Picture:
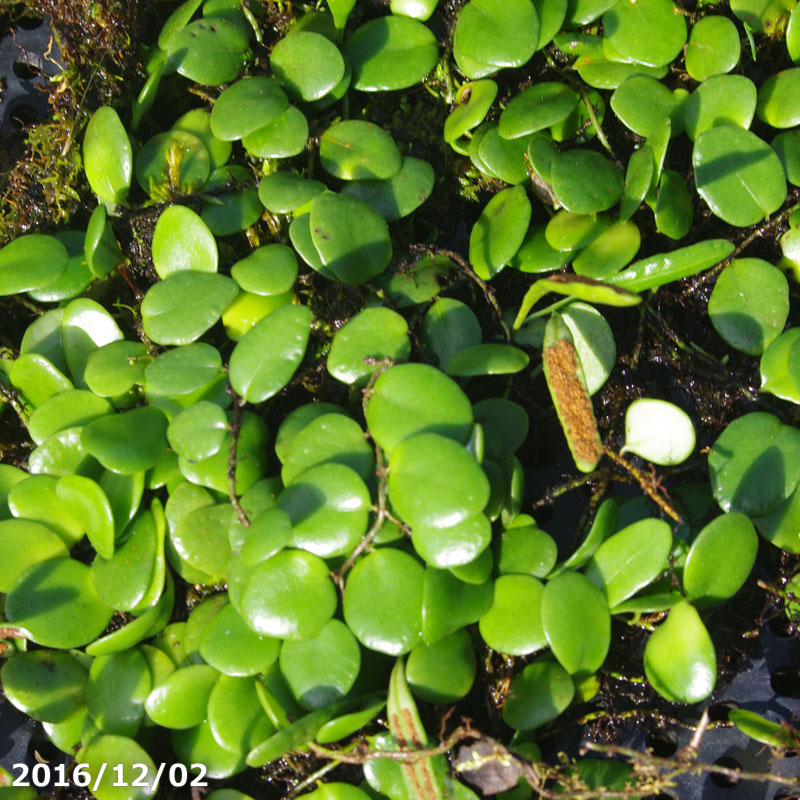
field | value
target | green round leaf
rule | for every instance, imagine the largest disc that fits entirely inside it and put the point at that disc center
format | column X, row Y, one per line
column 66, row 410
column 126, row 781
column 418, row 284
column 398, row 196
column 266, row 357
column 179, row 701
column 85, row 327
column 328, row 438
column 631, row 559
column 749, row 305
column 787, row 146
column 115, row 368
column 61, row 454
column 777, row 99
column 351, row 239
column 31, row 262
column 107, row 156
column 56, row 601
column 246, row 106
column 183, row 307
column 585, row 182
column 487, row 359
column 156, row 164
column 296, row 421
column 505, row 426
column 416, row 398
column 197, row 745
column 503, row 628
column 209, row 51
column 442, row 672
column 250, row 459
column 284, row 137
column 537, row 696
column 713, row 47
column 674, row 206
column 183, row 372
column 721, row 100
column 450, row 603
column 526, row 550
column 494, row 33
column 284, row 191
column 35, row 498
column 535, row 255
column 329, row 507
column 307, row 64
column 450, row 326
column 499, row 231
column 720, row 559
column 24, row 543
column 290, row 595
column 75, row 278
column 128, row 442
column 391, row 53
column 738, row 175
column 358, row 150
column 658, row 431
column 473, row 103
column 37, row 378
column 321, row 669
column 87, row 502
column 201, row 540
column 793, row 36
column 536, row 108
column 679, row 659
column 44, row 684
column 101, row 250
column 435, row 482
column 182, row 241
column 754, row 464
column 228, row 645
column 447, row 546
column 383, row 601
column 370, row 336
column 641, row 103
column 576, row 622
column 122, row 581
column 594, row 341
column 231, row 211
column 235, row 715
column 118, row 686
column 268, row 270
column 198, row 122
column 198, row 431
column 779, row 367
column 650, row 32
column 503, row 158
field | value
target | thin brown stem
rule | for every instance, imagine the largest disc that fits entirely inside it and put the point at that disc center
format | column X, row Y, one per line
column 11, row 396
column 551, row 494
column 462, row 263
column 647, row 483
column 674, row 768
column 382, row 474
column 236, row 427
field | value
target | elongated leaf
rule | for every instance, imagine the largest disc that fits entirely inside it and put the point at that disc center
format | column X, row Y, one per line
column 656, row 270
column 575, row 286
column 107, row 156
